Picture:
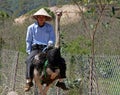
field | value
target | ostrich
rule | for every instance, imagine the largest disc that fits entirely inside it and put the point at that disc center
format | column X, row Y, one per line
column 53, row 57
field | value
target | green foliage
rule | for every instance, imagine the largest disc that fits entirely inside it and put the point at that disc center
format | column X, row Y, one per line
column 50, row 12
column 12, row 36
column 80, row 45
column 3, row 15
column 16, row 8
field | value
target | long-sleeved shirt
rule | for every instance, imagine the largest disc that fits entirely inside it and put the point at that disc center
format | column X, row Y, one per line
column 39, row 35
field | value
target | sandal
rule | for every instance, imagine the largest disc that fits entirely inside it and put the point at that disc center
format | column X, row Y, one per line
column 28, row 86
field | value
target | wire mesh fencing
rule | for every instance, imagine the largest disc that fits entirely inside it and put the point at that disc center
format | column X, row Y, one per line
column 106, row 68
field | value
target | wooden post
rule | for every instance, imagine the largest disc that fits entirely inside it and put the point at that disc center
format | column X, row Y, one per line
column 15, row 65
column 57, row 28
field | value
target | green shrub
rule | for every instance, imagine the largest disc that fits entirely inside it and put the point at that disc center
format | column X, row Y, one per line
column 80, row 45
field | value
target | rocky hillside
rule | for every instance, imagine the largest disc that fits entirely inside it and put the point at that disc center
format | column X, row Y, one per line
column 70, row 12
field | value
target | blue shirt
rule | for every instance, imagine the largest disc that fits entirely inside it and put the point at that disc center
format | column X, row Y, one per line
column 39, row 35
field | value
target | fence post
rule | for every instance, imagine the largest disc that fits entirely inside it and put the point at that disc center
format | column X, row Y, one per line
column 15, row 65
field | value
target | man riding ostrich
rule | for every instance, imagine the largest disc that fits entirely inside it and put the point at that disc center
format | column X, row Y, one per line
column 39, row 35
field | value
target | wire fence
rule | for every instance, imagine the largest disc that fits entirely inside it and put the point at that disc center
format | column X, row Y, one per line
column 107, row 70
column 107, row 59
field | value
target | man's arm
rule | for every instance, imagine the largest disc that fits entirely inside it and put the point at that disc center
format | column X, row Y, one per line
column 28, row 40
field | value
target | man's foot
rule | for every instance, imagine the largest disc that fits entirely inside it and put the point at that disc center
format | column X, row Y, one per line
column 62, row 85
column 28, row 86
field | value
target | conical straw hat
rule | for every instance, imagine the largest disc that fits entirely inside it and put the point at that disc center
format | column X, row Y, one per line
column 42, row 12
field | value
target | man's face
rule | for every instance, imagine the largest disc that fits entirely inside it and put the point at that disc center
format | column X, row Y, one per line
column 41, row 20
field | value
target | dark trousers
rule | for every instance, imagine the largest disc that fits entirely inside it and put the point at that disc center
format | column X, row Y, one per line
column 29, row 65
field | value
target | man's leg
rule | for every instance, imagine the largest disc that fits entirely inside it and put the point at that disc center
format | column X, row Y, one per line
column 29, row 70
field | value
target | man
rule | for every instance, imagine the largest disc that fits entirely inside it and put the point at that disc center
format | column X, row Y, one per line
column 39, row 34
